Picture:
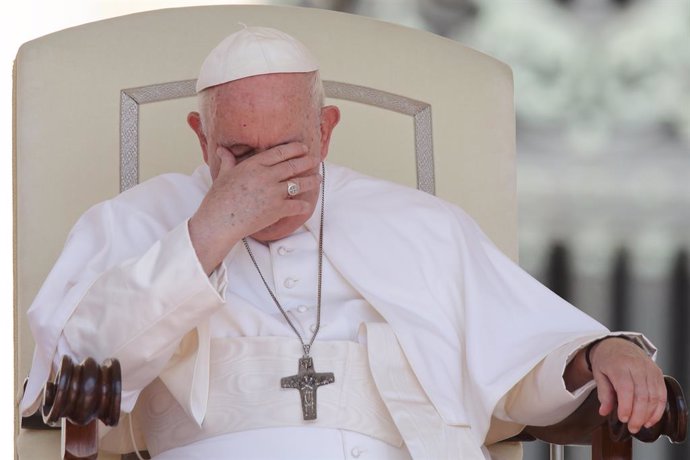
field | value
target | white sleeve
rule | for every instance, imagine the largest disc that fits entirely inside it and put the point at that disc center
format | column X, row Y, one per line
column 139, row 310
column 541, row 397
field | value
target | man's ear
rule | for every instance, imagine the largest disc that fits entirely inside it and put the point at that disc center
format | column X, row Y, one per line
column 194, row 122
column 330, row 116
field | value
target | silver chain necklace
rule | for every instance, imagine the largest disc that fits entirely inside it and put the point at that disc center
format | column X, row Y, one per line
column 307, row 380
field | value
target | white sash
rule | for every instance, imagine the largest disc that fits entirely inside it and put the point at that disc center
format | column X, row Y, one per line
column 375, row 393
column 245, row 393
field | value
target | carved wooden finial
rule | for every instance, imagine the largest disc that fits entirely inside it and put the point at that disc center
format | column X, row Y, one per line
column 84, row 392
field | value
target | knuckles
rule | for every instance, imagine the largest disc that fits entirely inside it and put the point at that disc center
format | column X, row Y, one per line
column 641, row 397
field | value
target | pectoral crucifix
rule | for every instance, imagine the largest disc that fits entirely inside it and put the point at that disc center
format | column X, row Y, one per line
column 307, row 381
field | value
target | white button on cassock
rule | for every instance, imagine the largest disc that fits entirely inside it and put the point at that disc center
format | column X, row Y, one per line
column 313, row 327
column 290, row 283
column 356, row 452
column 282, row 250
column 302, row 308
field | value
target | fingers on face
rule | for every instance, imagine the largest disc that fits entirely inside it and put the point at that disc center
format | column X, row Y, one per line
column 294, row 167
column 296, row 208
column 287, row 161
column 282, row 153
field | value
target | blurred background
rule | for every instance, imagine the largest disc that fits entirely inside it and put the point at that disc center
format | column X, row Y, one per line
column 602, row 93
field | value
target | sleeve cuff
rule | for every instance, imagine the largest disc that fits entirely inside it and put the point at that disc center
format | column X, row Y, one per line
column 167, row 294
column 640, row 340
column 541, row 397
column 218, row 277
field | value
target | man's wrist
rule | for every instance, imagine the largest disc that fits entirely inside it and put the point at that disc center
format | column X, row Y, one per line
column 210, row 247
column 590, row 347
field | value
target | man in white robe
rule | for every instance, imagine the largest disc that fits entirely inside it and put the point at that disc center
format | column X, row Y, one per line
column 433, row 335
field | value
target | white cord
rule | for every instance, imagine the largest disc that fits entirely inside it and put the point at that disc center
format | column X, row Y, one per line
column 131, row 437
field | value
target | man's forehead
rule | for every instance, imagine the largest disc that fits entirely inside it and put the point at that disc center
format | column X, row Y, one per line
column 277, row 102
column 270, row 87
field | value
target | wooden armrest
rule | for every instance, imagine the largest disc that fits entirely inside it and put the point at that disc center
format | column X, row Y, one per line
column 581, row 427
column 77, row 398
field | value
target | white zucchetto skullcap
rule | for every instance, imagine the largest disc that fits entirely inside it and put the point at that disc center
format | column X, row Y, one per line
column 254, row 51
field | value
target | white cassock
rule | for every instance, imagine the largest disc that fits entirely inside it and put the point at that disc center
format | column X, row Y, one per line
column 434, row 336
